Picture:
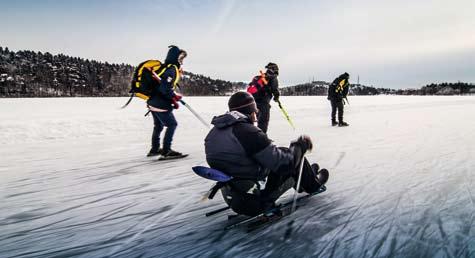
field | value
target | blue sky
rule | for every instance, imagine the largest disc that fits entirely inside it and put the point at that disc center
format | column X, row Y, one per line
column 395, row 44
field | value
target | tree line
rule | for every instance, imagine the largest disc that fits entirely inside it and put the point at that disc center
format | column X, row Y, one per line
column 320, row 88
column 36, row 74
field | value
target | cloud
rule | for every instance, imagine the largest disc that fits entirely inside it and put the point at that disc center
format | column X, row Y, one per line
column 234, row 39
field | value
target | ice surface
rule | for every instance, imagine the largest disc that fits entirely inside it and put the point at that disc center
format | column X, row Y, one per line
column 74, row 181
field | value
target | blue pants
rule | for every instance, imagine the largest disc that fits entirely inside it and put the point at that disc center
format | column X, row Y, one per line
column 161, row 119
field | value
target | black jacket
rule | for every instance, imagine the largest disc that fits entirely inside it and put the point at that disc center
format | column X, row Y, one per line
column 271, row 90
column 240, row 149
column 338, row 89
column 163, row 93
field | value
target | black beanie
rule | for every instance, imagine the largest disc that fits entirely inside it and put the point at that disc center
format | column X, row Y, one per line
column 242, row 102
column 272, row 69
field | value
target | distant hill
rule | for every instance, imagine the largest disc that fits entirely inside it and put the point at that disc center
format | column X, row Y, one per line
column 320, row 88
column 35, row 74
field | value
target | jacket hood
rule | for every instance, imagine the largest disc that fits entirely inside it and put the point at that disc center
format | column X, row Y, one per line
column 172, row 56
column 229, row 119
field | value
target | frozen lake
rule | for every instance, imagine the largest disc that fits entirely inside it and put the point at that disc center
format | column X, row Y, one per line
column 75, row 182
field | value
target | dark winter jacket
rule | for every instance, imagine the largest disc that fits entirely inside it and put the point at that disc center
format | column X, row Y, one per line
column 163, row 94
column 240, row 149
column 338, row 89
column 271, row 90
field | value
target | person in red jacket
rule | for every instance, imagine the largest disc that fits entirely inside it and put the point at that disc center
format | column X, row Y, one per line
column 267, row 89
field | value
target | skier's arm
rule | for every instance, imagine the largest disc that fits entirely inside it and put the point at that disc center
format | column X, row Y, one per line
column 258, row 146
column 166, row 85
column 299, row 147
column 346, row 87
column 274, row 87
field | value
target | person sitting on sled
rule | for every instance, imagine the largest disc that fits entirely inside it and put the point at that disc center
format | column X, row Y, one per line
column 240, row 149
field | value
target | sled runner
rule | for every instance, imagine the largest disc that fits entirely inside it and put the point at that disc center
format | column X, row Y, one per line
column 252, row 222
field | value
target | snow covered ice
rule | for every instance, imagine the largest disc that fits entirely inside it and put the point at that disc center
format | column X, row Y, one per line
column 75, row 181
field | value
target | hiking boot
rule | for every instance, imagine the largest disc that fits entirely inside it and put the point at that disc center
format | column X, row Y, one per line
column 322, row 176
column 315, row 168
column 340, row 124
column 171, row 153
column 334, row 123
column 152, row 153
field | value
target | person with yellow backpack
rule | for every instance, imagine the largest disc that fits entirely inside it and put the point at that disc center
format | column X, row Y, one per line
column 337, row 91
column 163, row 99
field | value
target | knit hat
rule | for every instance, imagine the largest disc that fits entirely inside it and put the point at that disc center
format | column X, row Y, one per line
column 242, row 102
column 272, row 69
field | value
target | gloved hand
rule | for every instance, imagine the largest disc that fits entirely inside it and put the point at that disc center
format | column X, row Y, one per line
column 177, row 97
column 299, row 147
column 276, row 99
column 175, row 104
column 304, row 142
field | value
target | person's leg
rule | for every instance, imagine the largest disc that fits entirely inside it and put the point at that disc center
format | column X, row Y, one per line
column 157, row 129
column 340, row 114
column 263, row 115
column 168, row 119
column 333, row 114
column 276, row 185
column 340, row 111
column 243, row 196
column 309, row 182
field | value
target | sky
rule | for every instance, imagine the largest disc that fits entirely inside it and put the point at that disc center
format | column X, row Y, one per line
column 391, row 44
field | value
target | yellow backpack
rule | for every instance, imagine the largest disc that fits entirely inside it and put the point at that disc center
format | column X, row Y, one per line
column 143, row 81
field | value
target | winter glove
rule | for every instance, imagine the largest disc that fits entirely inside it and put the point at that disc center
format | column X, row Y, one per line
column 175, row 104
column 177, row 97
column 299, row 147
column 276, row 99
column 304, row 142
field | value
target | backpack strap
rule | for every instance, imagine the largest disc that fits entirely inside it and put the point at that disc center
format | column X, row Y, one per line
column 177, row 77
column 263, row 77
column 128, row 101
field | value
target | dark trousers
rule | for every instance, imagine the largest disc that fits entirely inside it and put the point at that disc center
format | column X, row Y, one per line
column 239, row 196
column 276, row 182
column 263, row 115
column 161, row 119
column 337, row 104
